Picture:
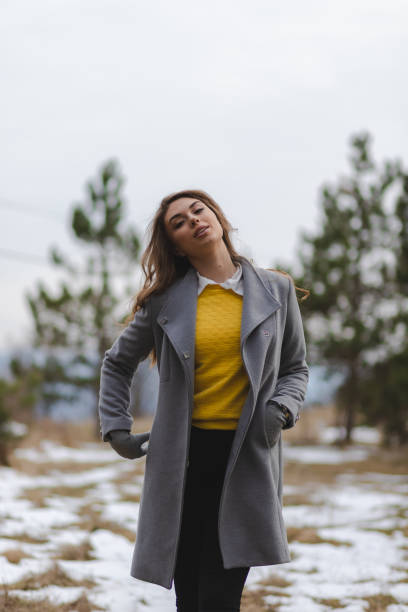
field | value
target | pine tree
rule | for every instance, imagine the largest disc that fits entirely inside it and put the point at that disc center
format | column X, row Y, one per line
column 75, row 324
column 385, row 388
column 347, row 267
column 19, row 393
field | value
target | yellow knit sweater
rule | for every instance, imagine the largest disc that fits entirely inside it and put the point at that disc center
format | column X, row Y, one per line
column 221, row 383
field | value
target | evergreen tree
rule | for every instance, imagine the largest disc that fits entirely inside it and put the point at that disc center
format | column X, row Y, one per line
column 348, row 268
column 385, row 388
column 19, row 394
column 75, row 325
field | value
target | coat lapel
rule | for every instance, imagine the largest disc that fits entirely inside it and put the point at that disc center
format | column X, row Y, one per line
column 258, row 302
column 177, row 318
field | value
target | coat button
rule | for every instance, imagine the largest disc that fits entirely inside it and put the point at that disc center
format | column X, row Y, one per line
column 186, row 354
column 163, row 320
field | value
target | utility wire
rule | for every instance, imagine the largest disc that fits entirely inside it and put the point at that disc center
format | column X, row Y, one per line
column 37, row 212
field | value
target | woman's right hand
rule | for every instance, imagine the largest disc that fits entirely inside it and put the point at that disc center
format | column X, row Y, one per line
column 130, row 446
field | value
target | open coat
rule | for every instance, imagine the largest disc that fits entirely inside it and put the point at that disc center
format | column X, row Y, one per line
column 251, row 527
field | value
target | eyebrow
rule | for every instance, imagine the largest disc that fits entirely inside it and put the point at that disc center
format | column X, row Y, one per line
column 179, row 214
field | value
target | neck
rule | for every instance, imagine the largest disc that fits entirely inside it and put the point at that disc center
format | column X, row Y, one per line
column 216, row 264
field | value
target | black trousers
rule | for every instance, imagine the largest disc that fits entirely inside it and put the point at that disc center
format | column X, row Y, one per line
column 201, row 582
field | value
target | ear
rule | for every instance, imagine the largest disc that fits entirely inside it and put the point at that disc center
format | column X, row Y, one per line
column 179, row 253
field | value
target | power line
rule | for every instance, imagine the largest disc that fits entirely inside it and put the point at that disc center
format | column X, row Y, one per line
column 34, row 259
column 23, row 208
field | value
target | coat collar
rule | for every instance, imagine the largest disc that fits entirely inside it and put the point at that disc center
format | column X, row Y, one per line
column 177, row 316
column 259, row 302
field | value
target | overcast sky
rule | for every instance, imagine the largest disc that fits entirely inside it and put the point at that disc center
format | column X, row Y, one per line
column 253, row 101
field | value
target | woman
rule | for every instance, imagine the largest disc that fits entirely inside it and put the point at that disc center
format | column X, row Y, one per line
column 230, row 349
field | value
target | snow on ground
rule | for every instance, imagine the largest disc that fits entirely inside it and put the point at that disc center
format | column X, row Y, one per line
column 359, row 522
column 324, row 454
column 89, row 453
column 361, row 434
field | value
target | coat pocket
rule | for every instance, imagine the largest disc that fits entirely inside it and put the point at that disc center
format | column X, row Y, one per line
column 274, row 419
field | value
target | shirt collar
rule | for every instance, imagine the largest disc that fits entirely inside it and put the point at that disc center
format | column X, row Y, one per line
column 234, row 282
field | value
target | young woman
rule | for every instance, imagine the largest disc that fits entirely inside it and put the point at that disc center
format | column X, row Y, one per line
column 230, row 349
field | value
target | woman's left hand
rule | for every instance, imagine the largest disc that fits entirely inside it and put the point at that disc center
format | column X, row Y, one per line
column 275, row 420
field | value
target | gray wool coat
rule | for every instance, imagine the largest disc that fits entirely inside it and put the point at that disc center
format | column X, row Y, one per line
column 251, row 526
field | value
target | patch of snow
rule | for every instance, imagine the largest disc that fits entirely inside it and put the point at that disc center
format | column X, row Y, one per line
column 374, row 562
column 323, row 454
column 13, row 572
column 117, row 591
column 15, row 429
column 68, row 537
column 37, row 522
column 299, row 602
column 57, row 595
column 51, row 452
column 132, row 489
column 400, row 591
column 376, row 477
column 124, row 513
column 361, row 434
column 347, row 505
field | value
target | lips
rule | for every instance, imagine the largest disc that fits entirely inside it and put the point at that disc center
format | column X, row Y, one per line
column 200, row 230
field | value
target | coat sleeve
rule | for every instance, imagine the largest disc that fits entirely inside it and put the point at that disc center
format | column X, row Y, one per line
column 293, row 374
column 118, row 366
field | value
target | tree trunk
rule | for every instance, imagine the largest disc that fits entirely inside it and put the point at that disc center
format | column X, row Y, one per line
column 96, row 429
column 349, row 421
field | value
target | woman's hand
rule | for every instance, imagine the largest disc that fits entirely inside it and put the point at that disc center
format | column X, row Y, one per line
column 130, row 446
column 275, row 421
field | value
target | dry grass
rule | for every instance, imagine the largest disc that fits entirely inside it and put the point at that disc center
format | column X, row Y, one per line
column 12, row 603
column 253, row 601
column 275, row 581
column 91, row 521
column 309, row 535
column 75, row 552
column 128, row 477
column 380, row 461
column 72, row 434
column 14, row 555
column 298, row 499
column 129, row 497
column 399, row 569
column 379, row 603
column 310, row 424
column 55, row 576
column 39, row 496
column 389, row 531
column 31, row 468
column 24, row 537
column 89, row 516
column 142, row 424
column 330, row 602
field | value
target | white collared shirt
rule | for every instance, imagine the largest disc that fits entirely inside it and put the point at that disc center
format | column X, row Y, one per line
column 234, row 282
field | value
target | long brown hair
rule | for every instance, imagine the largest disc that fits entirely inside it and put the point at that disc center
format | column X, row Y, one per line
column 160, row 263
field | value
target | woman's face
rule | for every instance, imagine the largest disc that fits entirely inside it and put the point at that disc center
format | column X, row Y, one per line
column 191, row 226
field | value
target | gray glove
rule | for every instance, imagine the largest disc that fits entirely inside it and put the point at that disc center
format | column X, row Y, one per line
column 130, row 446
